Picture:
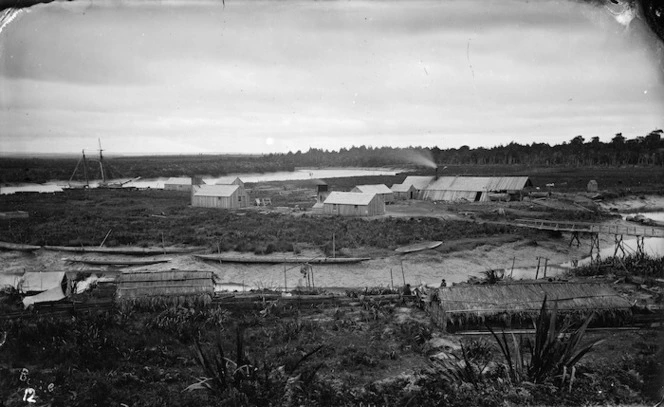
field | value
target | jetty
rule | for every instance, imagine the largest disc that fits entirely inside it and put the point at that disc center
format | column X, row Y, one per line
column 594, row 230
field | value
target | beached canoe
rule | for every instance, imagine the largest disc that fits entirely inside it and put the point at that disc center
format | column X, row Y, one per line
column 18, row 246
column 119, row 262
column 278, row 260
column 138, row 251
column 418, row 247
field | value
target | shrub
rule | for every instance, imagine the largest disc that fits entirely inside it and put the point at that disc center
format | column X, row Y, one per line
column 551, row 353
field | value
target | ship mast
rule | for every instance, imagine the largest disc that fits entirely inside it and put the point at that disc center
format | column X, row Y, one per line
column 85, row 169
column 101, row 163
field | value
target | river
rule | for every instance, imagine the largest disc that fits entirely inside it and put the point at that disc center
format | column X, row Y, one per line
column 158, row 183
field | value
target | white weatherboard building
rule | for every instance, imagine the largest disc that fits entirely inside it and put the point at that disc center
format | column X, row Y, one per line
column 353, row 204
column 219, row 196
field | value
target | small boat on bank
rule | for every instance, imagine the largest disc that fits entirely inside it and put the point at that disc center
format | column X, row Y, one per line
column 279, row 260
column 137, row 251
column 118, row 262
column 417, row 247
column 18, row 246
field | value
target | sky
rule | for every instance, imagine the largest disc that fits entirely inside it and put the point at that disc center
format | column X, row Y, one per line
column 272, row 77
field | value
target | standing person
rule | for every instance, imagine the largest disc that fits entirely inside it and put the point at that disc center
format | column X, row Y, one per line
column 406, row 290
column 443, row 283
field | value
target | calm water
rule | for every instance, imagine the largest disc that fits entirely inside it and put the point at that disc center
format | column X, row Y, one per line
column 158, row 183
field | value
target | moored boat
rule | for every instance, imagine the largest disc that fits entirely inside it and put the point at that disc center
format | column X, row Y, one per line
column 418, row 247
column 278, row 260
column 18, row 246
column 118, row 262
column 138, row 251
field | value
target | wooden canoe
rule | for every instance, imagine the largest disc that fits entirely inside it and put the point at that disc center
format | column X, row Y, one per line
column 279, row 260
column 138, row 251
column 119, row 262
column 418, row 247
column 18, row 246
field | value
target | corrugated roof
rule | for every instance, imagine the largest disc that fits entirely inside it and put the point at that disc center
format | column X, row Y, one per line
column 419, row 182
column 349, row 198
column 374, row 189
column 479, row 184
column 178, row 181
column 401, row 187
column 215, row 190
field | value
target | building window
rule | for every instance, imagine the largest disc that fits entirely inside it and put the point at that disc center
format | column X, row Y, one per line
column 239, row 198
column 334, row 207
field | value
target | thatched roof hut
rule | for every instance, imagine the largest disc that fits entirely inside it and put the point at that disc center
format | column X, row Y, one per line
column 165, row 284
column 506, row 304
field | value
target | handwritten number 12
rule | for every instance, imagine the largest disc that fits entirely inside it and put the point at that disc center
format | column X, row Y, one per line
column 29, row 395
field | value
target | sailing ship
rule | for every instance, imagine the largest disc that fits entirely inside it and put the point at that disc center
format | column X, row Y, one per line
column 104, row 183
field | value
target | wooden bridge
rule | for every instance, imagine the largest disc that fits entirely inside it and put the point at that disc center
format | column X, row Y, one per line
column 581, row 227
column 594, row 230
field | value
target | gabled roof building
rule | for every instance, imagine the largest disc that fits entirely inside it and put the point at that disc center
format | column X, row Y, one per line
column 379, row 189
column 354, row 204
column 220, row 196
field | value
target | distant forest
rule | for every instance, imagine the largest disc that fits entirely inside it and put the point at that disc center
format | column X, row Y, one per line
column 647, row 150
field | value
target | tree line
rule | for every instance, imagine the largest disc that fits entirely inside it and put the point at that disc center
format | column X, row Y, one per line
column 644, row 150
column 647, row 150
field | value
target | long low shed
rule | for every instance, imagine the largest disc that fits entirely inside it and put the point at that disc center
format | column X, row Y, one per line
column 165, row 283
column 473, row 189
column 460, row 306
column 353, row 204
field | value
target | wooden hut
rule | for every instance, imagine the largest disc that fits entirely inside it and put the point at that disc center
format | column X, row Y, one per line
column 404, row 191
column 418, row 182
column 322, row 191
column 220, row 196
column 178, row 184
column 468, row 306
column 592, row 186
column 353, row 204
column 174, row 283
column 379, row 189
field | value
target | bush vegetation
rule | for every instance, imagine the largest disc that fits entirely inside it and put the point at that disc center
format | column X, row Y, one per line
column 85, row 217
column 201, row 355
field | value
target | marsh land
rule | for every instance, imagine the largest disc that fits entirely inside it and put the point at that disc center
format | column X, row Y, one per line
column 362, row 352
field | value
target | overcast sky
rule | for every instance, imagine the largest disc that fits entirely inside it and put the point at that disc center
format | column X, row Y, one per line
column 259, row 77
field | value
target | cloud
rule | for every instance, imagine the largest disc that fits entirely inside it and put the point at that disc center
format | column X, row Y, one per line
column 323, row 74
